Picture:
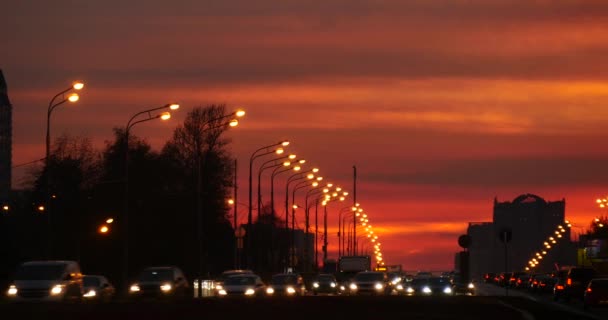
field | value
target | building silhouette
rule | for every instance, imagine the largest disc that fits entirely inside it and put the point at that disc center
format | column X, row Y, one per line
column 6, row 113
column 530, row 220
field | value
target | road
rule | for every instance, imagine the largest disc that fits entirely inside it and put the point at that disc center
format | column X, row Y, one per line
column 485, row 306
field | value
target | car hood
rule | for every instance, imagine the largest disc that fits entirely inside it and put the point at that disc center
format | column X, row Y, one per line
column 35, row 284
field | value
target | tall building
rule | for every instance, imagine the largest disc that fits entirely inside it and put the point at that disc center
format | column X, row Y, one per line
column 530, row 221
column 6, row 114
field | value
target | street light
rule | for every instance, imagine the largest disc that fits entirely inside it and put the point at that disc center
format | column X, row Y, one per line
column 299, row 185
column 294, row 177
column 150, row 114
column 334, row 196
column 255, row 155
column 340, row 234
column 202, row 254
column 73, row 97
column 272, row 163
column 292, row 166
column 314, row 191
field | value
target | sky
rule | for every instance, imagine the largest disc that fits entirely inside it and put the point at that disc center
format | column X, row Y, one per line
column 442, row 106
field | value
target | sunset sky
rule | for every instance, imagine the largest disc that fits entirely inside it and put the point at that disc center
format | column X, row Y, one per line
column 442, row 106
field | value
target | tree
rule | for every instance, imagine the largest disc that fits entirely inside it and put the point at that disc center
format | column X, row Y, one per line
column 73, row 170
column 201, row 173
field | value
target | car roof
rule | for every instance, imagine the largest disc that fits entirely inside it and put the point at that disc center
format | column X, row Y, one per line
column 47, row 262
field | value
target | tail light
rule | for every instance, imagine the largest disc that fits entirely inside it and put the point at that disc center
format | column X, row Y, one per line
column 569, row 281
column 559, row 287
column 588, row 289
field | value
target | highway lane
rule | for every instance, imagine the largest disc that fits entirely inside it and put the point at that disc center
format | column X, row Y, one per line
column 308, row 307
column 573, row 306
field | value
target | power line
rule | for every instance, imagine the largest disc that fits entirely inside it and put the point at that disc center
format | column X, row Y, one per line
column 27, row 163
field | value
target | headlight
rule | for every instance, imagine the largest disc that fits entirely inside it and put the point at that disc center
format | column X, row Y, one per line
column 166, row 287
column 399, row 287
column 315, row 284
column 219, row 287
column 90, row 294
column 57, row 289
column 222, row 292
column 249, row 292
column 379, row 286
column 134, row 288
column 426, row 290
column 270, row 290
column 291, row 290
column 333, row 284
column 447, row 290
column 353, row 286
column 12, row 290
column 471, row 286
column 409, row 290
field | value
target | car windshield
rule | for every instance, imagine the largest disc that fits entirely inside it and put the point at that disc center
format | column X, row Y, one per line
column 284, row 279
column 603, row 283
column 40, row 272
column 438, row 281
column 326, row 278
column 227, row 274
column 240, row 280
column 369, row 276
column 156, row 275
column 90, row 281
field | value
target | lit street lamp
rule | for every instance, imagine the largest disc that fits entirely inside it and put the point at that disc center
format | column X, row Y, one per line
column 202, row 254
column 73, row 97
column 255, row 155
column 334, row 196
column 150, row 114
column 272, row 163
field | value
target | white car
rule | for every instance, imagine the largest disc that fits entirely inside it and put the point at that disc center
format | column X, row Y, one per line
column 244, row 285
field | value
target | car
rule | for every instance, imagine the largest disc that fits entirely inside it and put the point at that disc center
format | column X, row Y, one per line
column 227, row 274
column 97, row 288
column 47, row 280
column 522, row 282
column 415, row 286
column 437, row 286
column 577, row 281
column 370, row 282
column 286, row 284
column 160, row 282
column 463, row 288
column 489, row 277
column 243, row 285
column 325, row 283
column 542, row 283
column 596, row 293
column 460, row 286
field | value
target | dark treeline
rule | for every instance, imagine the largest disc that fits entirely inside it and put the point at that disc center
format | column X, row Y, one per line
column 192, row 174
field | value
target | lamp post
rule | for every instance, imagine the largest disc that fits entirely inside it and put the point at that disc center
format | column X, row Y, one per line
column 272, row 163
column 255, row 155
column 341, row 234
column 298, row 186
column 150, row 115
column 52, row 105
column 295, row 167
column 314, row 191
column 202, row 254
column 346, row 242
column 334, row 196
column 355, row 216
column 292, row 178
